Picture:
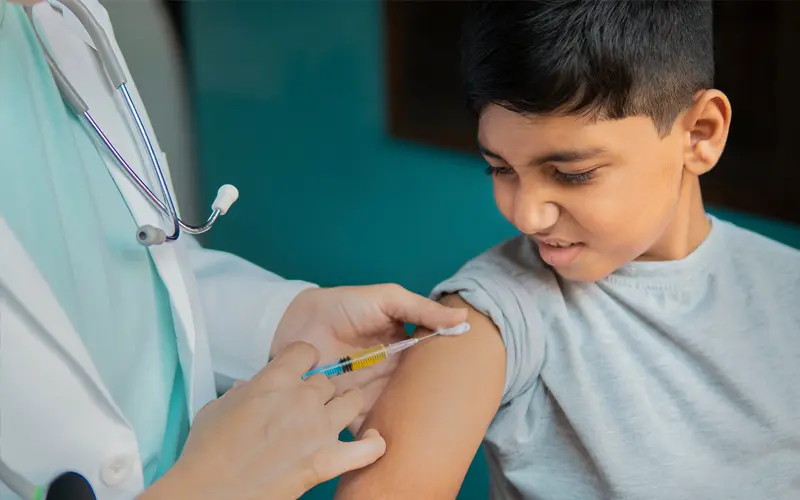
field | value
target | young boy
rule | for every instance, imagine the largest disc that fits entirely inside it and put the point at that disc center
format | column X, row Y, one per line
column 627, row 344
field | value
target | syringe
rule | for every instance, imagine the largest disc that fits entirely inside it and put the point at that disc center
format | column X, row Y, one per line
column 375, row 354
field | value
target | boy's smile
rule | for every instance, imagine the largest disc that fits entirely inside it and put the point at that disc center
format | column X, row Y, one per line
column 558, row 255
column 596, row 194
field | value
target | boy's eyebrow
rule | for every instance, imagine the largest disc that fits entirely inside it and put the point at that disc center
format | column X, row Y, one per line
column 568, row 156
column 563, row 156
column 488, row 153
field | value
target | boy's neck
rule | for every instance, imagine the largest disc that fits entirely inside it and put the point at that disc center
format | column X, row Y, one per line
column 688, row 228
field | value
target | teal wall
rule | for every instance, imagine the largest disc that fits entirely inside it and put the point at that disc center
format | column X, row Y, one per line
column 289, row 101
column 289, row 108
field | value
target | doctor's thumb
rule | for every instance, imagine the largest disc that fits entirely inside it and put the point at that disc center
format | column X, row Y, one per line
column 435, row 316
column 406, row 306
column 346, row 457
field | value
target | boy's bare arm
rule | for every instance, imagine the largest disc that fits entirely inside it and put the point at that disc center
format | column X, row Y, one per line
column 433, row 415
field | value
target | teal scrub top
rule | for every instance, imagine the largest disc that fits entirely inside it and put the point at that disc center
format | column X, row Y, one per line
column 60, row 200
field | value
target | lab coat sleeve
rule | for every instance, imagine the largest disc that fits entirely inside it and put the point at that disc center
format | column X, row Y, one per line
column 242, row 306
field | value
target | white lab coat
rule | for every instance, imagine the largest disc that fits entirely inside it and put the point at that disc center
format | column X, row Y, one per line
column 55, row 412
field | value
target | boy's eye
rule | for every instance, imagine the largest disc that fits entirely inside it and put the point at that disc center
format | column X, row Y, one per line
column 491, row 170
column 562, row 177
column 573, row 178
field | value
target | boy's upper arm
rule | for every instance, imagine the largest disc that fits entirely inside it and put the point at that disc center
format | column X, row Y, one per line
column 434, row 414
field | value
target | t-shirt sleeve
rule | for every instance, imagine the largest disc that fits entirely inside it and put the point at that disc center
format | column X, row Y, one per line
column 505, row 285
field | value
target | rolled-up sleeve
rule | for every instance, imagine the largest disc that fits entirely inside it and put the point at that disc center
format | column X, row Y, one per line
column 502, row 286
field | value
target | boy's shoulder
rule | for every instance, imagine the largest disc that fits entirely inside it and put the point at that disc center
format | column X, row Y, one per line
column 510, row 274
column 754, row 252
column 743, row 236
column 510, row 285
column 517, row 259
column 513, row 257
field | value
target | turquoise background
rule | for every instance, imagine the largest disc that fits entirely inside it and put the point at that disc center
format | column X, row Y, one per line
column 289, row 102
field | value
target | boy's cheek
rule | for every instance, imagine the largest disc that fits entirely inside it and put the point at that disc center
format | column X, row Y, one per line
column 618, row 217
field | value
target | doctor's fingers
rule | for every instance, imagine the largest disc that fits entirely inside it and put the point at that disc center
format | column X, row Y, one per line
column 340, row 457
column 323, row 387
column 288, row 367
column 342, row 410
column 408, row 307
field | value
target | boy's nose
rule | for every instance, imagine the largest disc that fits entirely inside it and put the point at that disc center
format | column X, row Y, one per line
column 534, row 214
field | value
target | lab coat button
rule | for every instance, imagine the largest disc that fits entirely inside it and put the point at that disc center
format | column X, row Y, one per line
column 116, row 471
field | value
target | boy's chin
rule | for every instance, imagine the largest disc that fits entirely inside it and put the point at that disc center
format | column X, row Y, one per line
column 584, row 270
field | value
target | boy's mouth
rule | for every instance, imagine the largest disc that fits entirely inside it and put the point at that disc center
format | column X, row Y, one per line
column 559, row 252
column 559, row 245
column 556, row 242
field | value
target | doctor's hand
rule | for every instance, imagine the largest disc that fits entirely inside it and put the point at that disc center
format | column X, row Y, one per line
column 275, row 436
column 340, row 321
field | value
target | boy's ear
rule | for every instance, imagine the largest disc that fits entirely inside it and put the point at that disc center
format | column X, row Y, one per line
column 707, row 123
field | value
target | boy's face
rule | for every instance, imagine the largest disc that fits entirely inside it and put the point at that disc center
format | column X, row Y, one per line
column 592, row 195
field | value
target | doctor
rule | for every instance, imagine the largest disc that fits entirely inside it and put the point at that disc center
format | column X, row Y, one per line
column 110, row 351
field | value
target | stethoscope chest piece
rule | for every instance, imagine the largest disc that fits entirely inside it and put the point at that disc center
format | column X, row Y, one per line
column 70, row 486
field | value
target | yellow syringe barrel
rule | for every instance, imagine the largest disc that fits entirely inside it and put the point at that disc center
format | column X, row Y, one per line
column 367, row 357
column 362, row 359
column 356, row 361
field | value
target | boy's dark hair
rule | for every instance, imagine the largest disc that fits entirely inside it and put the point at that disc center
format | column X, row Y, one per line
column 605, row 58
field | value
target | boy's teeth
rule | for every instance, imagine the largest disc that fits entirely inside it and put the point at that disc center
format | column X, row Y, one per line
column 560, row 245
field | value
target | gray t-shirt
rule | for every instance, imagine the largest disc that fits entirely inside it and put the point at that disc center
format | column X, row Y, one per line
column 666, row 380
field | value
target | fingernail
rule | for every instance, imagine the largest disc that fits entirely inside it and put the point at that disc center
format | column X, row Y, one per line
column 371, row 433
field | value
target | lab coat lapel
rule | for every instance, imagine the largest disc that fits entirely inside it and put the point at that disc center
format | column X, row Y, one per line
column 23, row 283
column 111, row 115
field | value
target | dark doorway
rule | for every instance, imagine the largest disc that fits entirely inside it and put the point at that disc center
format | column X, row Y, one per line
column 756, row 50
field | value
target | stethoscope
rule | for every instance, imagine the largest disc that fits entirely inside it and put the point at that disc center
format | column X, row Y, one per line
column 146, row 235
column 72, row 485
column 67, row 486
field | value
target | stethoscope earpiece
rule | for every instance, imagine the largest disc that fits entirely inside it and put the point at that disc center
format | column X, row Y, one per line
column 149, row 235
